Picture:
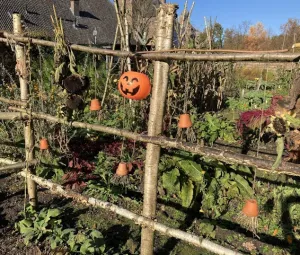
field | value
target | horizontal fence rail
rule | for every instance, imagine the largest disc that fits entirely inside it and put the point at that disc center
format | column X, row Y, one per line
column 17, row 166
column 261, row 165
column 138, row 219
column 163, row 56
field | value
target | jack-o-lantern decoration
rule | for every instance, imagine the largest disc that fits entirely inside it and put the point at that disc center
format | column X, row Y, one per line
column 134, row 85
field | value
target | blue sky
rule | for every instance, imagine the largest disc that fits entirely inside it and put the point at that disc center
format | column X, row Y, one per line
column 231, row 13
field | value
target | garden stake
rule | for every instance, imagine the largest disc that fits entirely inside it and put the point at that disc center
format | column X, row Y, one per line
column 28, row 130
column 164, row 39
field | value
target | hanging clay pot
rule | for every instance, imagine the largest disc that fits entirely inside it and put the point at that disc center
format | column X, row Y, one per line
column 184, row 121
column 122, row 169
column 44, row 144
column 250, row 209
column 134, row 85
column 95, row 105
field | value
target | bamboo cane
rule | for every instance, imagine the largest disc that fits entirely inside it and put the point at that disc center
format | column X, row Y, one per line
column 28, row 132
column 164, row 39
column 262, row 165
column 138, row 219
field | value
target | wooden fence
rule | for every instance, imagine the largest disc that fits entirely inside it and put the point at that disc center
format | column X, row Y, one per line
column 153, row 139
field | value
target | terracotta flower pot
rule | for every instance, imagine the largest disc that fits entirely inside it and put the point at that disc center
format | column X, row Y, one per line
column 250, row 209
column 95, row 105
column 122, row 169
column 184, row 121
column 44, row 144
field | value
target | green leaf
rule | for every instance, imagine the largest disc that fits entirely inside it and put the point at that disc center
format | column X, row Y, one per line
column 80, row 238
column 244, row 169
column 54, row 242
column 233, row 191
column 87, row 248
column 191, row 169
column 52, row 213
column 187, row 193
column 244, row 187
column 279, row 150
column 27, row 231
column 207, row 229
column 28, row 237
column 96, row 234
column 25, row 223
column 169, row 180
column 72, row 243
column 68, row 231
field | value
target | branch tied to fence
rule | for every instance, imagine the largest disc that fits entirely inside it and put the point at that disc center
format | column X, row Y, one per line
column 262, row 165
column 266, row 56
column 137, row 219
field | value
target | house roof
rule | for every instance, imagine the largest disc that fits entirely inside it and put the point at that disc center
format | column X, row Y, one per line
column 95, row 17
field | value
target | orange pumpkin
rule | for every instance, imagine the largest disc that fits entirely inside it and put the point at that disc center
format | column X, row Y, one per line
column 134, row 85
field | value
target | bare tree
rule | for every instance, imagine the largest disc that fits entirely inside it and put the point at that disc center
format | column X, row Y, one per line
column 291, row 32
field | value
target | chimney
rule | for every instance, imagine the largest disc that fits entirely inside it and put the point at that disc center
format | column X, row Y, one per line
column 74, row 6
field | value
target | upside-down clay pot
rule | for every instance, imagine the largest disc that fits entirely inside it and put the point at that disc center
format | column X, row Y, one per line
column 122, row 169
column 250, row 209
column 95, row 105
column 184, row 121
column 44, row 144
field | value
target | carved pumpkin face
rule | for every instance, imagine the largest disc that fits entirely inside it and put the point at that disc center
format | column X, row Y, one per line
column 134, row 85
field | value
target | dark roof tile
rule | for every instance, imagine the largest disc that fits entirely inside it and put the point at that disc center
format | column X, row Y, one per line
column 96, row 15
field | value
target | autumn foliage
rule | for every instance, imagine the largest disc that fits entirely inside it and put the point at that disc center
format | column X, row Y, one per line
column 257, row 38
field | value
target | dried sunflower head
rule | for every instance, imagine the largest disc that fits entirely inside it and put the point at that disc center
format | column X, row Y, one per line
column 75, row 102
column 279, row 125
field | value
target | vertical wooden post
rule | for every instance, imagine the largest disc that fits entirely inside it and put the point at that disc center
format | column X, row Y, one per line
column 28, row 130
column 164, row 38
